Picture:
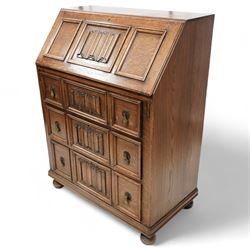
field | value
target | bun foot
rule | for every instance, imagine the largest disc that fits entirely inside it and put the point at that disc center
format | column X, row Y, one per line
column 148, row 240
column 189, row 205
column 57, row 184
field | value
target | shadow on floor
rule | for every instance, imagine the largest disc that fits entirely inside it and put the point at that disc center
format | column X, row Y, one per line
column 223, row 191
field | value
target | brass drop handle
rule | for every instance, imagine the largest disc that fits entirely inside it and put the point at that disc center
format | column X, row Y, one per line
column 127, row 198
column 126, row 157
column 52, row 92
column 125, row 117
column 57, row 126
column 62, row 161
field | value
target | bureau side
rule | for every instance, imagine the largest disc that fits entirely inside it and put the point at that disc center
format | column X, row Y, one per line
column 175, row 133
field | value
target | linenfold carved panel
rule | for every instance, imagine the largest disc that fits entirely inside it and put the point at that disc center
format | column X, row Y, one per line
column 92, row 177
column 98, row 45
column 86, row 101
column 89, row 139
column 140, row 54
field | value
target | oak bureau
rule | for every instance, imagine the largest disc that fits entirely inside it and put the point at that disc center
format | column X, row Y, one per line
column 123, row 96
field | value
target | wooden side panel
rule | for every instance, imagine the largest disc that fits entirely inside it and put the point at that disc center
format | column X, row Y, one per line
column 177, row 122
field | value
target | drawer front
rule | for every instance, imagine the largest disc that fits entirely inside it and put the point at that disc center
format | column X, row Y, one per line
column 126, row 114
column 60, row 159
column 127, row 195
column 126, row 155
column 52, row 91
column 92, row 177
column 87, row 102
column 56, row 124
column 89, row 139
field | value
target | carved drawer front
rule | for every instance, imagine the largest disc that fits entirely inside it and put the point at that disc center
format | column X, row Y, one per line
column 126, row 114
column 88, row 102
column 89, row 139
column 126, row 155
column 52, row 90
column 92, row 177
column 60, row 160
column 56, row 124
column 127, row 195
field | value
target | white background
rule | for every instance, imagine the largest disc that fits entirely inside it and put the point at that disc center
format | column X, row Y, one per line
column 34, row 215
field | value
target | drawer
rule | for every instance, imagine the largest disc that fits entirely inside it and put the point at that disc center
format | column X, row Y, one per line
column 60, row 159
column 91, row 176
column 127, row 195
column 87, row 101
column 126, row 114
column 89, row 139
column 52, row 90
column 126, row 155
column 56, row 124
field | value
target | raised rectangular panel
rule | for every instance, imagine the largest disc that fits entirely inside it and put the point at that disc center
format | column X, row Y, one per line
column 140, row 54
column 92, row 177
column 126, row 155
column 63, row 39
column 126, row 195
column 99, row 45
column 60, row 160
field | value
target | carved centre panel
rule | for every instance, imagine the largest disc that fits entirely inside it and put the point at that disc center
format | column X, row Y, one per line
column 92, row 177
column 87, row 102
column 98, row 45
column 90, row 139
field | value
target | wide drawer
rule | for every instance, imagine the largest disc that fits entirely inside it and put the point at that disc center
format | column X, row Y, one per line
column 60, row 160
column 126, row 114
column 86, row 101
column 126, row 195
column 126, row 155
column 91, row 176
column 56, row 124
column 89, row 139
column 52, row 90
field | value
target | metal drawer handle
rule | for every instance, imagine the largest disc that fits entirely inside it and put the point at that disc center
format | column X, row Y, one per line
column 57, row 126
column 62, row 161
column 126, row 157
column 127, row 198
column 125, row 117
column 52, row 92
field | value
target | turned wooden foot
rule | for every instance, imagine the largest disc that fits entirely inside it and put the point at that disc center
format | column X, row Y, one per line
column 148, row 240
column 189, row 205
column 57, row 184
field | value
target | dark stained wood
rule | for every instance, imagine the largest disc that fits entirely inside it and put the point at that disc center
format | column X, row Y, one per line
column 123, row 98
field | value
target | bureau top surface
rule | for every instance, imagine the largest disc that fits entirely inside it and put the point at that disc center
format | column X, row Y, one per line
column 124, row 48
column 139, row 12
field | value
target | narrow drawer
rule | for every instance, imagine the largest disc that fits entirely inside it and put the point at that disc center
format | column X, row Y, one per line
column 60, row 159
column 126, row 155
column 89, row 139
column 91, row 176
column 87, row 101
column 126, row 114
column 56, row 124
column 52, row 90
column 127, row 195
